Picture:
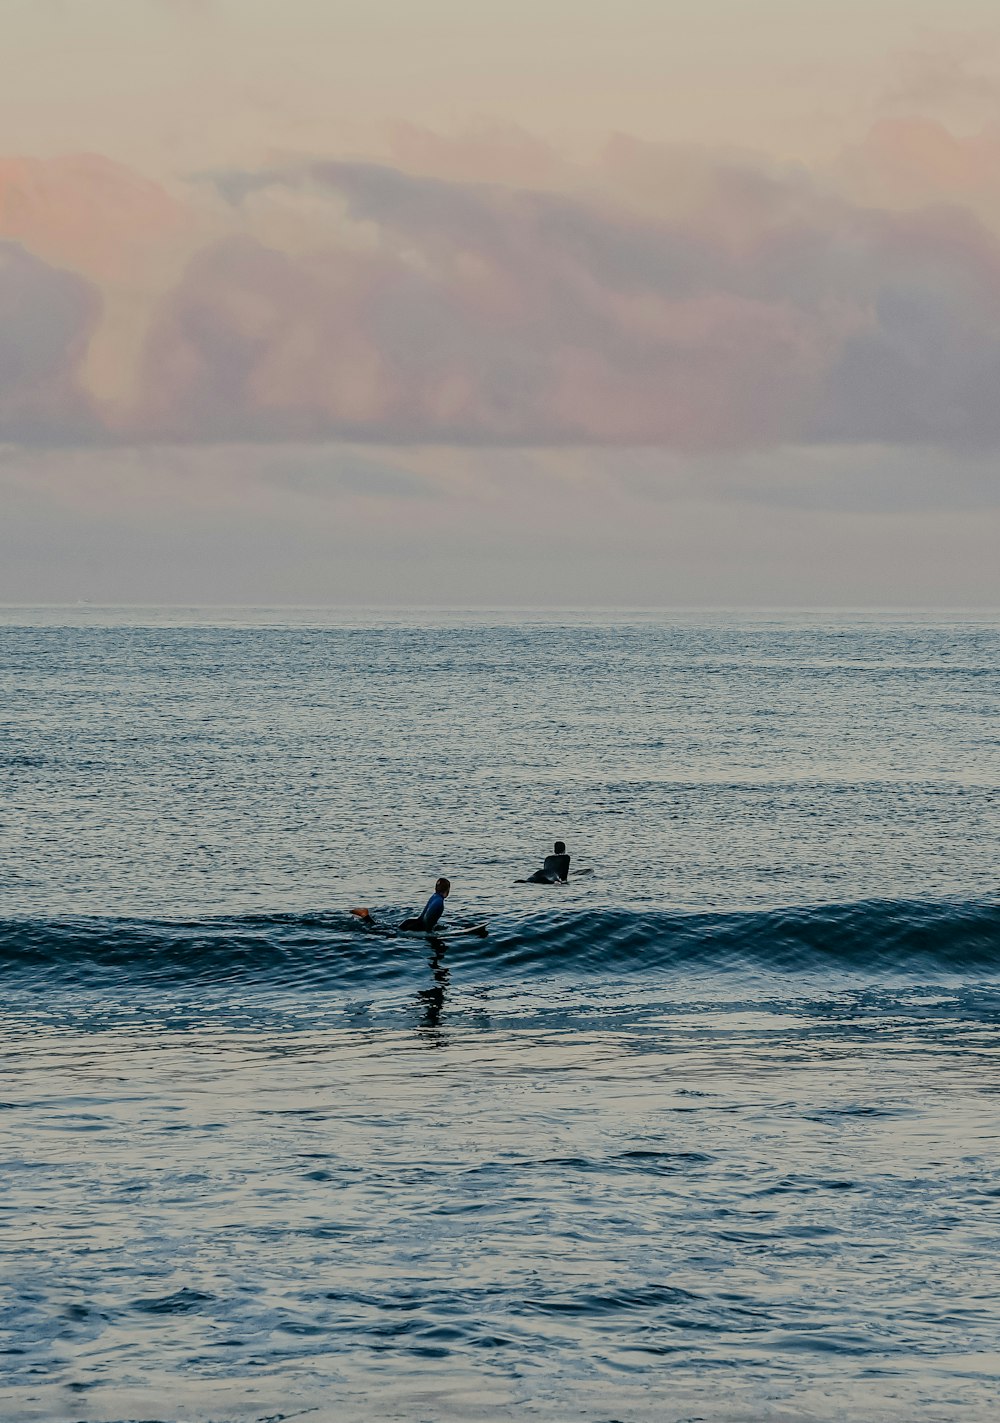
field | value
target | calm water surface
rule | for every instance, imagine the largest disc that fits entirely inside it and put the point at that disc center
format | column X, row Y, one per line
column 711, row 1133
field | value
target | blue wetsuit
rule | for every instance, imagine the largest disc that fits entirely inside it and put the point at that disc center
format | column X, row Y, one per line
column 432, row 910
column 429, row 915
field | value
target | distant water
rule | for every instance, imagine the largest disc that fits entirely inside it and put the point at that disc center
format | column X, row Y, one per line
column 710, row 1133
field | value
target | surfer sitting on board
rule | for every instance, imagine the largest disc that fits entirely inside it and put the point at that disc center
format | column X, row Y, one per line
column 432, row 910
column 555, row 867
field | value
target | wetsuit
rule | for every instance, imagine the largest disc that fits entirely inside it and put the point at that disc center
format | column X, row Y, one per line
column 554, row 867
column 428, row 916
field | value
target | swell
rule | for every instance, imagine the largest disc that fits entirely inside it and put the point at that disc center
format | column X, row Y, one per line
column 876, row 938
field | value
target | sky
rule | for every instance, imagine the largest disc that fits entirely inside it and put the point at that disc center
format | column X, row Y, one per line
column 324, row 301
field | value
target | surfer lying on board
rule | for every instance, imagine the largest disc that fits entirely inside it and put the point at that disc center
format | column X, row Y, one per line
column 555, row 867
column 424, row 922
column 432, row 910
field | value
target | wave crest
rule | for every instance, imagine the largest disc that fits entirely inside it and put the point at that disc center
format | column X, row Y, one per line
column 876, row 938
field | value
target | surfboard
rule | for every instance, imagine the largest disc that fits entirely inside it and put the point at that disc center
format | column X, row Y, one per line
column 573, row 874
column 476, row 931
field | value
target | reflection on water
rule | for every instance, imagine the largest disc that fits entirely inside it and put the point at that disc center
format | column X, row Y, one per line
column 432, row 999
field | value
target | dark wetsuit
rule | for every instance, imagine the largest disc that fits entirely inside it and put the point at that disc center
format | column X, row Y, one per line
column 554, row 867
column 428, row 916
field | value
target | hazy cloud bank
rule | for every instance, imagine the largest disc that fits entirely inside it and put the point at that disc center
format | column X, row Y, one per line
column 318, row 524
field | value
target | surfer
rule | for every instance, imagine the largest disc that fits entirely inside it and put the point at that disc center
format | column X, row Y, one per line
column 430, row 914
column 426, row 921
column 555, row 867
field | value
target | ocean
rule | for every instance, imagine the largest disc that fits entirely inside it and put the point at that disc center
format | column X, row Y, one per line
column 711, row 1132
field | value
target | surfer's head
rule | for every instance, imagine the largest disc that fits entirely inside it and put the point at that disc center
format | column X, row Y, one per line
column 443, row 888
column 560, row 848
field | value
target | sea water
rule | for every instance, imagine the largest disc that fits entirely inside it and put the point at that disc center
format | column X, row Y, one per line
column 712, row 1132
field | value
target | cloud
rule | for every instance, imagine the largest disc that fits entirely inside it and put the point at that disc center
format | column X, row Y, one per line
column 301, row 525
column 666, row 297
column 767, row 311
column 908, row 163
column 475, row 314
column 47, row 318
column 258, row 344
column 924, row 367
column 84, row 211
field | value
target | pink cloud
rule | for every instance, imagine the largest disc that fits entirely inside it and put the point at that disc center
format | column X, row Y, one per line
column 257, row 344
column 913, row 162
column 480, row 316
column 768, row 312
column 84, row 211
column 667, row 297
